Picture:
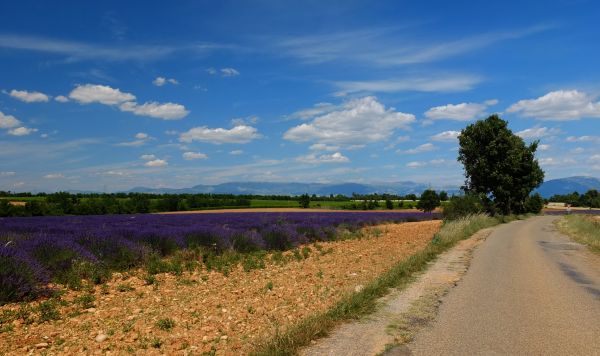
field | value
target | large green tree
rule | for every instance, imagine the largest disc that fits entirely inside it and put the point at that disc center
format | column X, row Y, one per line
column 498, row 164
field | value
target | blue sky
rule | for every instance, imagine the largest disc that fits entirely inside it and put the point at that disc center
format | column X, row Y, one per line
column 110, row 95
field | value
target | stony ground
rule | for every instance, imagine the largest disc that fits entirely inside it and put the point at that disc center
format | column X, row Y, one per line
column 200, row 312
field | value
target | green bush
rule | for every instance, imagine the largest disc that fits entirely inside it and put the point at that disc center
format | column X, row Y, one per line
column 461, row 206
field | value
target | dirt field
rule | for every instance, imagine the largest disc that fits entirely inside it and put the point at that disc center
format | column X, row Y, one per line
column 210, row 311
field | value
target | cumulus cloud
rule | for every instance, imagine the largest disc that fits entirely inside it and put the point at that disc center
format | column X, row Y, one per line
column 323, row 147
column 156, row 163
column 236, row 152
column 160, row 81
column 21, row 131
column 90, row 93
column 61, row 99
column 194, row 155
column 446, row 136
column 560, row 105
column 358, row 120
column 459, row 112
column 8, row 121
column 538, row 132
column 336, row 157
column 229, row 72
column 166, row 111
column 426, row 147
column 239, row 134
column 29, row 96
column 250, row 120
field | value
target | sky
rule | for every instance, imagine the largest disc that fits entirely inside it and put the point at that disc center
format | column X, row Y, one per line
column 110, row 95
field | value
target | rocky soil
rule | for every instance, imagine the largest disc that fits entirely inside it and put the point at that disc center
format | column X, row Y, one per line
column 203, row 312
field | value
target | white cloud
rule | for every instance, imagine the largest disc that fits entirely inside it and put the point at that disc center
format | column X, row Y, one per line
column 323, row 147
column 54, row 176
column 316, row 110
column 538, row 132
column 156, row 163
column 7, row 174
column 194, row 155
column 583, row 139
column 61, row 99
column 558, row 105
column 90, row 93
column 229, row 72
column 211, row 71
column 21, row 131
column 141, row 138
column 8, row 121
column 236, row 152
column 418, row 164
column 336, row 157
column 446, row 136
column 438, row 83
column 166, row 111
column 415, row 164
column 238, row 134
column 240, row 121
column 160, row 81
column 387, row 46
column 544, row 147
column 148, row 157
column 459, row 112
column 359, row 120
column 426, row 147
column 29, row 96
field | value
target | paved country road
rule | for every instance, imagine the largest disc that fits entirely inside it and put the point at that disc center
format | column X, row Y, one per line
column 529, row 291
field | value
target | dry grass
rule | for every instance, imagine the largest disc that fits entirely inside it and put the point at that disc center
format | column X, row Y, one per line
column 583, row 229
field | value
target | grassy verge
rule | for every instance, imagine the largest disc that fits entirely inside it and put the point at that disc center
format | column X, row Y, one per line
column 583, row 229
column 358, row 304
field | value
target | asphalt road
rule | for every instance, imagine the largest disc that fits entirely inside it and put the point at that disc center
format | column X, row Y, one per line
column 529, row 291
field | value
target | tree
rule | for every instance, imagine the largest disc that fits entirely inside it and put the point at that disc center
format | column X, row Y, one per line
column 389, row 204
column 498, row 165
column 429, row 201
column 304, row 201
column 443, row 196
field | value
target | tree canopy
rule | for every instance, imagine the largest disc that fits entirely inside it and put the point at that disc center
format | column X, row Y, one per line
column 429, row 201
column 498, row 165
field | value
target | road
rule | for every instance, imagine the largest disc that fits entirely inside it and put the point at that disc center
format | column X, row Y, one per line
column 529, row 291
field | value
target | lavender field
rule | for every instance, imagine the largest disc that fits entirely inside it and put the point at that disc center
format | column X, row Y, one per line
column 38, row 250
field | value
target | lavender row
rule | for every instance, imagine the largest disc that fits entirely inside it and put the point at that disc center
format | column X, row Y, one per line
column 36, row 250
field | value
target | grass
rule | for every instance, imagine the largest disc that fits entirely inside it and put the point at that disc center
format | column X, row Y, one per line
column 355, row 305
column 583, row 229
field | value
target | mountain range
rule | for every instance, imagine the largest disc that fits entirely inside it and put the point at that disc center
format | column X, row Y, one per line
column 551, row 187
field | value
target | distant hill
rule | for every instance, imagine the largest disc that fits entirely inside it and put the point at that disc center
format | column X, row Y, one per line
column 269, row 188
column 568, row 185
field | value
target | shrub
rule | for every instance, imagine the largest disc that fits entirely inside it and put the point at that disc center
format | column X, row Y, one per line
column 20, row 276
column 534, row 204
column 461, row 206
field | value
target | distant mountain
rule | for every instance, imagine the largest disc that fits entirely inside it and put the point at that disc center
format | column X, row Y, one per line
column 269, row 188
column 568, row 185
